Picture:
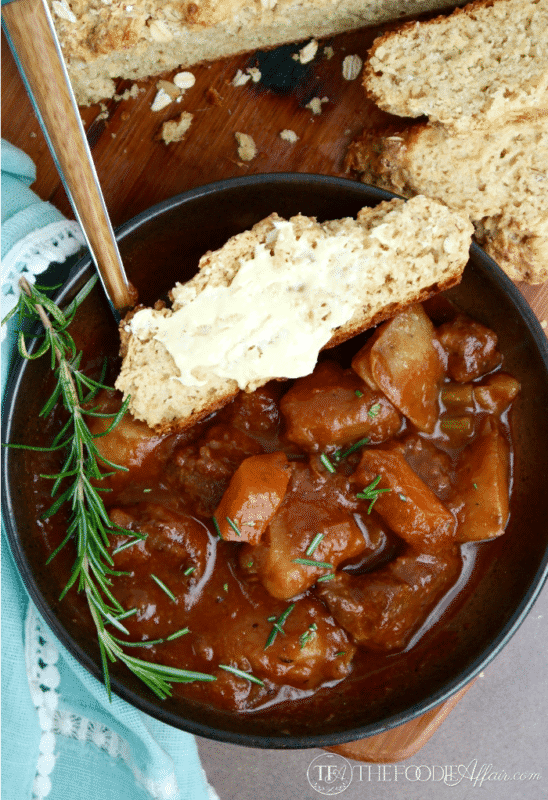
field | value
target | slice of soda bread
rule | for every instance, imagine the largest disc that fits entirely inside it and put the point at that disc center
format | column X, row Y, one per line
column 264, row 305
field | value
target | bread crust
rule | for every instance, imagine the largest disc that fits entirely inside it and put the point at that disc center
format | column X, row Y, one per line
column 405, row 253
column 494, row 176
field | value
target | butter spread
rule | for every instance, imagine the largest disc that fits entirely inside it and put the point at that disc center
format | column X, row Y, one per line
column 281, row 307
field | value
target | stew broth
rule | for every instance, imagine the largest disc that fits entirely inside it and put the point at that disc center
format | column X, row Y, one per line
column 375, row 622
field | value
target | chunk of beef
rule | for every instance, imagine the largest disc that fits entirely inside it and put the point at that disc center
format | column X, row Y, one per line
column 202, row 470
column 471, row 348
column 333, row 406
column 384, row 608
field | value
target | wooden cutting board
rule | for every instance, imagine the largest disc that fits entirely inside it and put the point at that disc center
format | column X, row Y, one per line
column 137, row 169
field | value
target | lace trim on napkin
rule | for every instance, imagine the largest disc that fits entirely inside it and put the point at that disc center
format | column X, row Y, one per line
column 41, row 656
column 34, row 253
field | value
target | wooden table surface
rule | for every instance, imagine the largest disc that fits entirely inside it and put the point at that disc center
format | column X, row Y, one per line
column 137, row 169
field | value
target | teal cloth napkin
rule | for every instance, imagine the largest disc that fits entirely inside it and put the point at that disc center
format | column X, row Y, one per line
column 61, row 737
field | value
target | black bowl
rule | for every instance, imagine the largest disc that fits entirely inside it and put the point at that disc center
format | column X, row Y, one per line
column 163, row 245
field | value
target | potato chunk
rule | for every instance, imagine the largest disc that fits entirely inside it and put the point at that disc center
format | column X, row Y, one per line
column 471, row 348
column 313, row 505
column 132, row 444
column 254, row 493
column 497, row 393
column 403, row 361
column 333, row 406
column 481, row 503
column 410, row 508
column 384, row 608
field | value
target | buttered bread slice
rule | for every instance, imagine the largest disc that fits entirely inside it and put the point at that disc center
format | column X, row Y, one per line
column 264, row 305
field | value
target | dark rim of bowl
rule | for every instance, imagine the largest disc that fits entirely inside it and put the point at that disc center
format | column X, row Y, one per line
column 152, row 707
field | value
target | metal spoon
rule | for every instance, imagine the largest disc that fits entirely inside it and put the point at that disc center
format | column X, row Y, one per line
column 32, row 38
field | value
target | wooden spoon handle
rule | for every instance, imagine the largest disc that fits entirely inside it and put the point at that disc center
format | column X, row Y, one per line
column 33, row 40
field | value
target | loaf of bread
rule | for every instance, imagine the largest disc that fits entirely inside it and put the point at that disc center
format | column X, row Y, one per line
column 107, row 39
column 264, row 305
column 499, row 178
column 481, row 75
column 482, row 64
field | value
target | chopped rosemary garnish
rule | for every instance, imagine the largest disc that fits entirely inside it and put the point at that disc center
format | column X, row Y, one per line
column 372, row 493
column 233, row 526
column 189, row 570
column 308, row 634
column 89, row 526
column 475, row 485
column 225, row 587
column 374, row 410
column 241, row 674
column 340, row 653
column 278, row 624
column 358, row 393
column 314, row 543
column 340, row 456
column 327, row 463
column 163, row 587
column 326, row 577
column 147, row 490
column 177, row 634
column 309, row 562
column 217, row 529
column 249, row 564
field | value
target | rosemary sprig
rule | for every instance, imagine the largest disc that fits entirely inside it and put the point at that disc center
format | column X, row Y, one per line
column 89, row 526
column 372, row 493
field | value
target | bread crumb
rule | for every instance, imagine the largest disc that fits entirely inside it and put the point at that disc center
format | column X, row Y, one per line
column 246, row 146
column 169, row 88
column 63, row 10
column 308, row 52
column 288, row 136
column 32, row 135
column 543, row 324
column 161, row 100
column 103, row 114
column 174, row 130
column 184, row 80
column 315, row 104
column 254, row 73
column 132, row 93
column 328, row 52
column 351, row 68
column 240, row 78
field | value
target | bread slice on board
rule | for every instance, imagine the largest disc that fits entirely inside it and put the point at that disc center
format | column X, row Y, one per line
column 498, row 177
column 107, row 39
column 264, row 305
column 472, row 69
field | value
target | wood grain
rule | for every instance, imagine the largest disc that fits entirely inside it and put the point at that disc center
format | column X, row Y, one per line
column 31, row 31
column 136, row 169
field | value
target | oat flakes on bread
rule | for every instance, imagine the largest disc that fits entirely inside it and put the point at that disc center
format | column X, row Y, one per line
column 499, row 178
column 107, row 39
column 478, row 66
column 263, row 306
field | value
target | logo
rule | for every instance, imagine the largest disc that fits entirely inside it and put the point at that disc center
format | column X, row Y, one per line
column 329, row 774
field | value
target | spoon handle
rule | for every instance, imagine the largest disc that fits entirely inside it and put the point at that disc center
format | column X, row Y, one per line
column 34, row 43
